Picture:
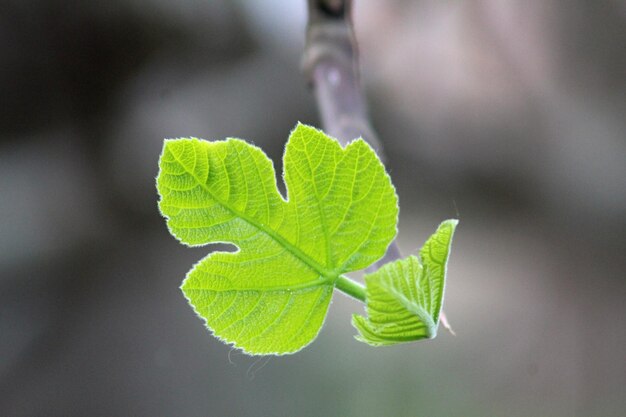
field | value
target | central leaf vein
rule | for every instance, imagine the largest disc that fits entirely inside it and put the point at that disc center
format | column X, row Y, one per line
column 305, row 259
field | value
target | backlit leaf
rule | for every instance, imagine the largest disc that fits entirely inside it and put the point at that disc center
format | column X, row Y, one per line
column 404, row 297
column 271, row 296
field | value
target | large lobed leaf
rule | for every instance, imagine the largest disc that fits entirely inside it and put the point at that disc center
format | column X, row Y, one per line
column 271, row 296
column 404, row 297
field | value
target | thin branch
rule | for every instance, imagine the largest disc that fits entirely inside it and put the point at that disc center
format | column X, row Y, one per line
column 331, row 66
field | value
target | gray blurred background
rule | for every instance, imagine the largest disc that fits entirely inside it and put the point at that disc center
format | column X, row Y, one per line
column 509, row 115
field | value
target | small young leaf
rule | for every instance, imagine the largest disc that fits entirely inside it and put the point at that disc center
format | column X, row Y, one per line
column 404, row 297
column 271, row 296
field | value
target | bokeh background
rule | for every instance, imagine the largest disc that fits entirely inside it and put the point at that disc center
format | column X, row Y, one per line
column 509, row 115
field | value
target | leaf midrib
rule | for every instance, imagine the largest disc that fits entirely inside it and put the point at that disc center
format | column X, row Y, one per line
column 331, row 276
column 278, row 288
column 414, row 307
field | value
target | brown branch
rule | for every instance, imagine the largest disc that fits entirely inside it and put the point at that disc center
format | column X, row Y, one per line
column 331, row 65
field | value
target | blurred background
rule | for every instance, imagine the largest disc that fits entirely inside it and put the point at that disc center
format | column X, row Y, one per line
column 509, row 115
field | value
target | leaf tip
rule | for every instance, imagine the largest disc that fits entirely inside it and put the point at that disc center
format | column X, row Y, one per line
column 450, row 222
column 303, row 130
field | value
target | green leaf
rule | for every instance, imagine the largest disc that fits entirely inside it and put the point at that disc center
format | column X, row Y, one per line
column 404, row 297
column 272, row 295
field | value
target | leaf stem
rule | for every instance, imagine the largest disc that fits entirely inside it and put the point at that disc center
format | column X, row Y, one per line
column 350, row 287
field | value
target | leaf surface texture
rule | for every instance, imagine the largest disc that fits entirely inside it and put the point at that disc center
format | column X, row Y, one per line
column 404, row 297
column 271, row 296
